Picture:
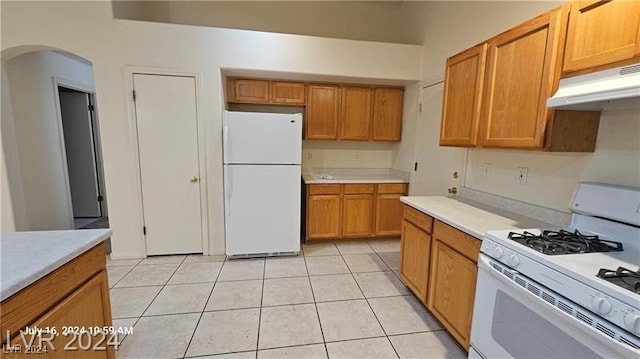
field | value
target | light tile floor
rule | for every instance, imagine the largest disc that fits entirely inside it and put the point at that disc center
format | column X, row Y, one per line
column 341, row 300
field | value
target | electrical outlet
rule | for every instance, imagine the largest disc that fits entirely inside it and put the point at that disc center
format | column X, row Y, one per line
column 357, row 156
column 309, row 155
column 523, row 173
column 486, row 168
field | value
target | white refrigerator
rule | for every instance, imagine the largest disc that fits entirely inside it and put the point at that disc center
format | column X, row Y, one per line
column 262, row 156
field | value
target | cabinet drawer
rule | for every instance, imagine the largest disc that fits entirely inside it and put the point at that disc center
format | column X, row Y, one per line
column 400, row 188
column 324, row 189
column 463, row 243
column 358, row 188
column 418, row 218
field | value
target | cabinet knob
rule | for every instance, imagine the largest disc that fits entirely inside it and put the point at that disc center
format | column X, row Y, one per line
column 453, row 190
column 193, row 179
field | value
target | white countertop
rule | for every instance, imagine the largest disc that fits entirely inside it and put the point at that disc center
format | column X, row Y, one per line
column 346, row 175
column 26, row 257
column 473, row 218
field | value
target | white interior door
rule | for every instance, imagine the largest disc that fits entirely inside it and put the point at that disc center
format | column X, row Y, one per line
column 436, row 164
column 167, row 127
column 80, row 153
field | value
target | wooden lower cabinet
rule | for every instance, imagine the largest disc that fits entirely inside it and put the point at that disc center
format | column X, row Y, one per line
column 389, row 218
column 414, row 260
column 86, row 306
column 363, row 210
column 357, row 210
column 323, row 216
column 452, row 281
column 440, row 266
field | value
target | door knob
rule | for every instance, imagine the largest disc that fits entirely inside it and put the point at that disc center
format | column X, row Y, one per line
column 453, row 190
column 193, row 179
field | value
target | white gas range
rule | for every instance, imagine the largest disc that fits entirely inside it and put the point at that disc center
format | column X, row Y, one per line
column 539, row 295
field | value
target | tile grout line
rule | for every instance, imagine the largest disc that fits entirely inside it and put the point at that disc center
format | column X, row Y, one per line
column 315, row 304
column 203, row 309
column 386, row 335
column 264, row 269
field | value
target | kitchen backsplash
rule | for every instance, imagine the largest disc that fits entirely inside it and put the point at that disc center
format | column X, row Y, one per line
column 543, row 214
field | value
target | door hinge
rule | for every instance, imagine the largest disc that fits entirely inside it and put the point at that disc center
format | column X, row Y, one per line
column 100, row 198
column 415, row 166
column 134, row 95
column 90, row 107
column 144, row 230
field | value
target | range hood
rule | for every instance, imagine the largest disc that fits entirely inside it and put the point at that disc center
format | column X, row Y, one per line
column 612, row 89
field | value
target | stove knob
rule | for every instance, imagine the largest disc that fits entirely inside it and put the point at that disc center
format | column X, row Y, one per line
column 601, row 305
column 513, row 261
column 498, row 252
column 632, row 321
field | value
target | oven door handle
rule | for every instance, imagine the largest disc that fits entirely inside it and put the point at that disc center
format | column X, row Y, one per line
column 558, row 315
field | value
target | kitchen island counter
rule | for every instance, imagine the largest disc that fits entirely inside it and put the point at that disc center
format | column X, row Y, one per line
column 29, row 256
column 473, row 218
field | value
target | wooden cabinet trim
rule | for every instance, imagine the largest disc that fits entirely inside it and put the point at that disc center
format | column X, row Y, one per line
column 315, row 189
column 359, row 188
column 30, row 303
column 400, row 188
column 463, row 243
column 418, row 218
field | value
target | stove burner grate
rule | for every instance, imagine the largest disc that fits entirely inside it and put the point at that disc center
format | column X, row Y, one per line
column 554, row 242
column 622, row 277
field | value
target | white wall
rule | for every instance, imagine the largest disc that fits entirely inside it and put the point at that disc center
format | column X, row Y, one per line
column 346, row 154
column 42, row 166
column 355, row 20
column 111, row 45
column 11, row 197
column 446, row 28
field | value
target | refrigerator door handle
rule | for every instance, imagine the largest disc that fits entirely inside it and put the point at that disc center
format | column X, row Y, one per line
column 225, row 143
column 227, row 191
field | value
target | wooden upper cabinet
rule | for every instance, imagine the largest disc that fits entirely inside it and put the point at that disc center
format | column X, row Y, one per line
column 522, row 72
column 288, row 93
column 322, row 112
column 249, row 91
column 355, row 114
column 462, row 99
column 601, row 33
column 387, row 114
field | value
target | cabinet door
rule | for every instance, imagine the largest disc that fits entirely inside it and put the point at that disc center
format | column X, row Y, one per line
column 322, row 112
column 323, row 216
column 452, row 287
column 463, row 83
column 601, row 33
column 355, row 119
column 414, row 259
column 387, row 114
column 388, row 214
column 522, row 72
column 287, row 93
column 87, row 307
column 357, row 215
column 251, row 91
